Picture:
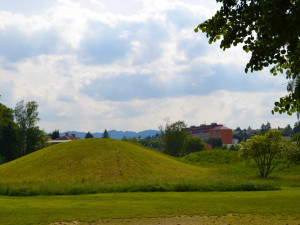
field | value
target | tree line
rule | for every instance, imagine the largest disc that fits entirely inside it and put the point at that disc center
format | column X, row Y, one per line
column 19, row 133
column 267, row 147
column 288, row 131
column 104, row 135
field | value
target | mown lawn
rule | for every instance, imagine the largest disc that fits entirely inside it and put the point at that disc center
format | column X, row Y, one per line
column 88, row 208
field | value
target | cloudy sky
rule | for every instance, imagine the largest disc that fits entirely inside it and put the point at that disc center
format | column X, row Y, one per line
column 127, row 65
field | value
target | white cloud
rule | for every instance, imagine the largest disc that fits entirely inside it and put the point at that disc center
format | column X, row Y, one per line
column 230, row 109
column 127, row 66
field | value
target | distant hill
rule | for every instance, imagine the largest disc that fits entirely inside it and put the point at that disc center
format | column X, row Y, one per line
column 116, row 134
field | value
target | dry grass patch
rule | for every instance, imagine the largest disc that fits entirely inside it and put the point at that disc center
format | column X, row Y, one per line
column 233, row 219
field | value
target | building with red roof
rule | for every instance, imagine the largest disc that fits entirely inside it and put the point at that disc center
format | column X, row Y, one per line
column 213, row 130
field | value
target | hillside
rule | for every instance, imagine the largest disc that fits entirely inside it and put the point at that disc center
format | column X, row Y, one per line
column 96, row 159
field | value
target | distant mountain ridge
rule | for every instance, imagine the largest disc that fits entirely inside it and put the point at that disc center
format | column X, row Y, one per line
column 115, row 134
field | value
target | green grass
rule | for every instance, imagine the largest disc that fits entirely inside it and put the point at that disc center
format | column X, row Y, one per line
column 96, row 159
column 92, row 187
column 215, row 157
column 229, row 165
column 90, row 208
column 106, row 165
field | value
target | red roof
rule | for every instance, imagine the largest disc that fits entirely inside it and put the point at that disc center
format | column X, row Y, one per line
column 220, row 128
column 67, row 137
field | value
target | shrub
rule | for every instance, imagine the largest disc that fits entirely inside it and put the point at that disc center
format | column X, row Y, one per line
column 293, row 152
column 266, row 151
column 192, row 144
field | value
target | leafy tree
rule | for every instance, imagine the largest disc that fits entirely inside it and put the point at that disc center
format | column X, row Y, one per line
column 89, row 135
column 215, row 142
column 293, row 152
column 26, row 115
column 290, row 103
column 173, row 136
column 234, row 147
column 55, row 134
column 192, row 144
column 296, row 128
column 288, row 131
column 150, row 143
column 266, row 150
column 9, row 134
column 270, row 31
column 265, row 128
column 241, row 136
column 105, row 134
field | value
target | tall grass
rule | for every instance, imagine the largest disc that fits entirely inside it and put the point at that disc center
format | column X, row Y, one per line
column 92, row 187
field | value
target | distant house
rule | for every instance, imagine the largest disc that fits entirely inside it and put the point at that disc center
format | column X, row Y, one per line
column 64, row 138
column 213, row 130
column 222, row 132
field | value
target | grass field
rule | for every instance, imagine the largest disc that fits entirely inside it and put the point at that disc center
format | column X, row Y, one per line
column 277, row 206
column 230, row 166
column 110, row 171
column 96, row 159
column 107, row 165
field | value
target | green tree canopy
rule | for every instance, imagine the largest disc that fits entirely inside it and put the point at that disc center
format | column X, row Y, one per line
column 105, row 134
column 173, row 136
column 266, row 150
column 287, row 131
column 89, row 135
column 26, row 115
column 270, row 30
column 192, row 144
column 55, row 134
column 9, row 134
column 215, row 142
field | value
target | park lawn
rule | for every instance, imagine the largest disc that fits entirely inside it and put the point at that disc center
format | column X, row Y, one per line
column 89, row 208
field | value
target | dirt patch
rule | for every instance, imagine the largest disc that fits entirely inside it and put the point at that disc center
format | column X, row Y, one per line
column 233, row 219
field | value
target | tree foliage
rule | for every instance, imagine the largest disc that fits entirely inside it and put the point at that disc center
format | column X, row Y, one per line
column 215, row 142
column 31, row 137
column 89, row 135
column 293, row 152
column 55, row 134
column 287, row 131
column 19, row 134
column 270, row 31
column 192, row 144
column 105, row 134
column 266, row 150
column 264, row 128
column 9, row 134
column 296, row 128
column 173, row 136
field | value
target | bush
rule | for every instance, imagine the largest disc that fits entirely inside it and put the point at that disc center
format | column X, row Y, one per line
column 266, row 151
column 192, row 144
column 293, row 152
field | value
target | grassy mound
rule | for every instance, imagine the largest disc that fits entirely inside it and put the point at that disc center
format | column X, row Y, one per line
column 96, row 159
column 108, row 165
column 214, row 157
